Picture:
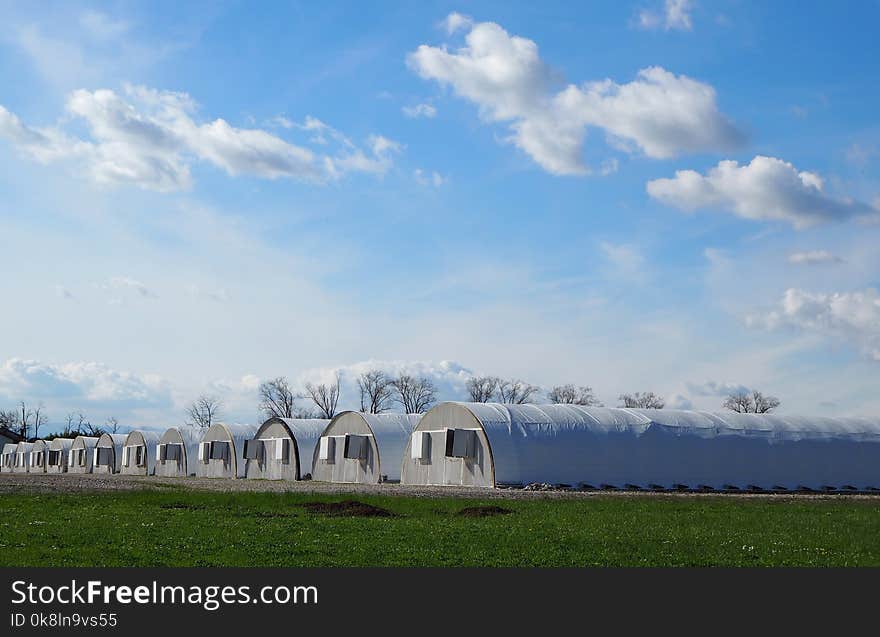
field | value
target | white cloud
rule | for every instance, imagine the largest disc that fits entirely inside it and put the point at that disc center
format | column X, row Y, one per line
column 765, row 189
column 149, row 138
column 715, row 388
column 80, row 384
column 853, row 317
column 449, row 377
column 220, row 295
column 814, row 257
column 283, row 122
column 675, row 15
column 456, row 21
column 419, row 110
column 378, row 161
column 659, row 113
column 100, row 25
column 120, row 283
column 429, row 179
column 626, row 259
column 609, row 167
column 677, row 401
column 861, row 154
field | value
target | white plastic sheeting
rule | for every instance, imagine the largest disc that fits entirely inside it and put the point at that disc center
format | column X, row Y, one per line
column 59, row 451
column 180, row 454
column 232, row 464
column 385, row 437
column 570, row 444
column 286, row 448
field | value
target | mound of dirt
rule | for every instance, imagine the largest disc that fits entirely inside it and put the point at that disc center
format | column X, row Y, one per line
column 483, row 511
column 347, row 509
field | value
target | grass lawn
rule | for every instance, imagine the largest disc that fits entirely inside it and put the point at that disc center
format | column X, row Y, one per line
column 187, row 528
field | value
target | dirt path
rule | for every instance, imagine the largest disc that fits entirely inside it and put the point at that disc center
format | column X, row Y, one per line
column 69, row 483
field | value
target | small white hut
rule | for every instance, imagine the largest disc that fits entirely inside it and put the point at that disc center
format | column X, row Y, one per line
column 39, row 455
column 108, row 453
column 23, row 457
column 59, row 452
column 177, row 452
column 221, row 451
column 364, row 448
column 82, row 454
column 139, row 453
column 282, row 448
column 7, row 458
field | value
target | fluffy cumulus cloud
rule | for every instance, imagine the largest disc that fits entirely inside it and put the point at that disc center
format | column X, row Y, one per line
column 766, row 189
column 675, row 15
column 150, row 138
column 852, row 317
column 659, row 113
column 80, row 385
column 814, row 257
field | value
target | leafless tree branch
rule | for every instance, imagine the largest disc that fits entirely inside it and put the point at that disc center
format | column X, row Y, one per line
column 376, row 391
column 325, row 397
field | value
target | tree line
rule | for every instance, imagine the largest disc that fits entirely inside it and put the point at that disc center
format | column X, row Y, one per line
column 380, row 393
column 27, row 419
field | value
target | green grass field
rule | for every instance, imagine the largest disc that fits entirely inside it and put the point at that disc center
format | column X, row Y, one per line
column 186, row 528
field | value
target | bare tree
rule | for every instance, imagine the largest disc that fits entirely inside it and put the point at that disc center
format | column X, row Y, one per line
column 414, row 394
column 8, row 419
column 482, row 388
column 112, row 425
column 203, row 412
column 639, row 400
column 23, row 419
column 754, row 402
column 277, row 399
column 376, row 391
column 571, row 395
column 515, row 392
column 83, row 425
column 325, row 397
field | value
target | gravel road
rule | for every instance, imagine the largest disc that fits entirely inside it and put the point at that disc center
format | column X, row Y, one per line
column 11, row 483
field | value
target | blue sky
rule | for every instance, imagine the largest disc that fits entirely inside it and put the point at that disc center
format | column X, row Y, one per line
column 675, row 196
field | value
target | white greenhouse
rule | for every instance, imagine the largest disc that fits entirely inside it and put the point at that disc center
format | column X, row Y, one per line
column 23, row 457
column 7, row 458
column 59, row 452
column 39, row 455
column 108, row 453
column 282, row 448
column 221, row 451
column 139, row 453
column 487, row 444
column 364, row 448
column 177, row 452
column 82, row 454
